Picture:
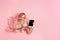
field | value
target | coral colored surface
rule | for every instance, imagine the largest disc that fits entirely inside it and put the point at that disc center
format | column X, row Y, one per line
column 46, row 14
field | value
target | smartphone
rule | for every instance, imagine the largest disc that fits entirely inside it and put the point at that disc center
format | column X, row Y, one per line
column 31, row 22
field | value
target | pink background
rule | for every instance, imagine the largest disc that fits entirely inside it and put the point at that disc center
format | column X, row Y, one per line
column 46, row 14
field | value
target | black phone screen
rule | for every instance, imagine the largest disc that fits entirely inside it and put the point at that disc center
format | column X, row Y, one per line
column 31, row 22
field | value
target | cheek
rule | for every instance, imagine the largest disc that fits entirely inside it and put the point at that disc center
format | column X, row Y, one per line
column 25, row 24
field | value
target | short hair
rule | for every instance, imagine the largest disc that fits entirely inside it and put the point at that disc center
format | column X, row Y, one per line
column 20, row 15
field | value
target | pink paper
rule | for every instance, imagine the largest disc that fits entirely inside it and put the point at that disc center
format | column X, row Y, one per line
column 46, row 14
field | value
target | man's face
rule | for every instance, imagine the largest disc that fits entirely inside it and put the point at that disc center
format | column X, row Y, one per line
column 22, row 17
